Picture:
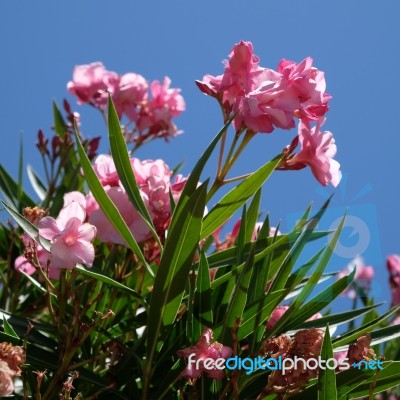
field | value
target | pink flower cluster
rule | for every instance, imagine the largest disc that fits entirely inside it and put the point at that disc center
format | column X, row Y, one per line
column 393, row 266
column 278, row 312
column 11, row 358
column 70, row 237
column 204, row 349
column 263, row 99
column 154, row 181
column 153, row 115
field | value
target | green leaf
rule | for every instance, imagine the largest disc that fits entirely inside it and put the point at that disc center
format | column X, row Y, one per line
column 289, row 315
column 28, row 227
column 319, row 302
column 37, row 184
column 258, row 312
column 233, row 200
column 120, row 156
column 202, row 296
column 366, row 328
column 108, row 207
column 60, row 126
column 287, row 265
column 109, row 281
column 237, row 301
column 175, row 263
column 252, row 215
column 327, row 377
column 10, row 190
column 8, row 328
column 337, row 319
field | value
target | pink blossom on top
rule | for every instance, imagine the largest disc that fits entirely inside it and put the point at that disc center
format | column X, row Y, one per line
column 263, row 98
column 362, row 278
column 155, row 117
column 130, row 94
column 70, row 237
column 165, row 97
column 306, row 84
column 393, row 266
column 202, row 350
column 92, row 83
column 317, row 151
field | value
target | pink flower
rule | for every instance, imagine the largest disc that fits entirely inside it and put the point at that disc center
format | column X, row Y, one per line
column 70, row 237
column 105, row 170
column 155, row 117
column 92, row 83
column 6, row 382
column 165, row 97
column 106, row 231
column 393, row 266
column 276, row 316
column 362, row 278
column 131, row 93
column 278, row 312
column 317, row 151
column 307, row 84
column 263, row 98
column 11, row 357
column 202, row 350
column 21, row 264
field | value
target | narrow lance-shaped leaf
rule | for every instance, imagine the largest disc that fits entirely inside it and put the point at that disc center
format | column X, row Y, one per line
column 28, row 227
column 326, row 376
column 60, row 126
column 120, row 156
column 238, row 300
column 312, row 282
column 319, row 302
column 108, row 207
column 202, row 298
column 170, row 281
column 37, row 183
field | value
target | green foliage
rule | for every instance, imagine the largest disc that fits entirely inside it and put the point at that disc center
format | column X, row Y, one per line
column 122, row 323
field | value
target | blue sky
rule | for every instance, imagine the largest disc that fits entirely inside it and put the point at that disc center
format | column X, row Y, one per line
column 355, row 43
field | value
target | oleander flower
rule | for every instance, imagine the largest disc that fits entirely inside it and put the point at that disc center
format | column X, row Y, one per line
column 361, row 350
column 105, row 170
column 106, row 231
column 264, row 99
column 11, row 358
column 92, row 84
column 278, row 312
column 130, row 94
column 317, row 151
column 393, row 266
column 202, row 350
column 70, row 237
column 306, row 84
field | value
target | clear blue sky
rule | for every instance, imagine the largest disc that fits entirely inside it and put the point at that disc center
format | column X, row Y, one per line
column 356, row 43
